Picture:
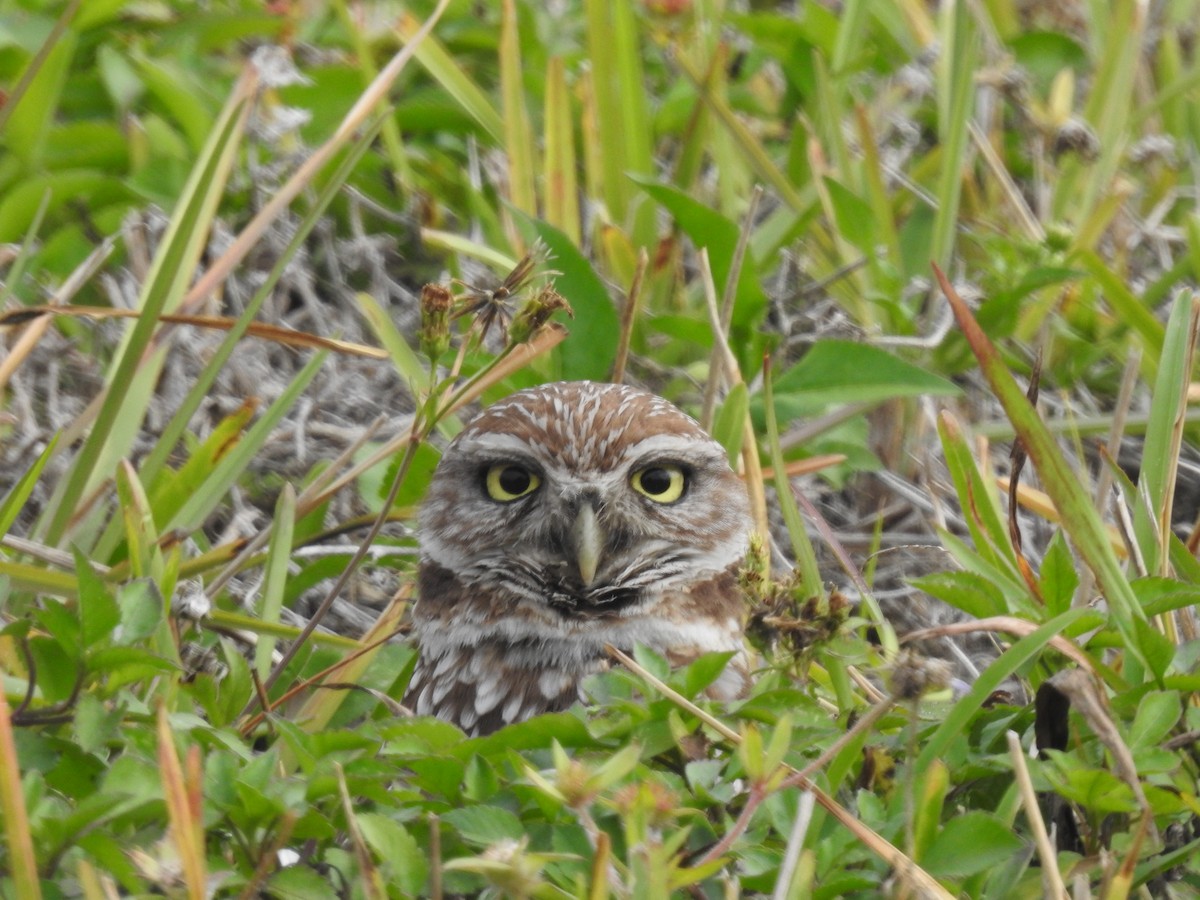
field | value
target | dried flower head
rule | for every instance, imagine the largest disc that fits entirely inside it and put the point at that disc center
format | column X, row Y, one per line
column 493, row 308
column 436, row 301
column 536, row 313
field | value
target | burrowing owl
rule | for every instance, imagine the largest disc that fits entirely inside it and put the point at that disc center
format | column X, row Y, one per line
column 564, row 518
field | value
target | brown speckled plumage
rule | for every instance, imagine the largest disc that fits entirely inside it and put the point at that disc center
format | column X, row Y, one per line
column 517, row 597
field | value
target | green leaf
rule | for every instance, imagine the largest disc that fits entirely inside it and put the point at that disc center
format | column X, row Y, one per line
column 299, row 882
column 1058, row 576
column 177, row 90
column 94, row 724
column 276, row 572
column 969, row 843
column 704, row 671
column 1157, row 650
column 707, row 228
column 121, row 80
column 484, row 825
column 1164, row 433
column 172, row 490
column 973, row 594
column 729, row 425
column 376, row 482
column 141, row 611
column 405, row 861
column 56, row 668
column 837, row 372
column 30, row 120
column 855, row 220
column 98, row 610
column 1078, row 513
column 591, row 347
column 1097, row 789
column 1156, row 715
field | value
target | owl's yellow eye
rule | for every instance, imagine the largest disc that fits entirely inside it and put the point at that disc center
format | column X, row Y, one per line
column 506, row 482
column 662, row 484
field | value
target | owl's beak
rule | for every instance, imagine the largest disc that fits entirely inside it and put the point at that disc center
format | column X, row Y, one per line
column 586, row 541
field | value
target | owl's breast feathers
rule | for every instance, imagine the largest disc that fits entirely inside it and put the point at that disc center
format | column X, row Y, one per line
column 489, row 659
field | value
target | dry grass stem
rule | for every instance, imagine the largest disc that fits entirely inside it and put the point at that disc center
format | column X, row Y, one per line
column 1051, row 877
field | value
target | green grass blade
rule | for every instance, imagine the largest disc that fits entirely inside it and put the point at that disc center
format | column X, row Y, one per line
column 283, row 525
column 976, row 497
column 1164, row 436
column 956, row 722
column 561, row 191
column 956, row 92
column 27, row 577
column 802, row 549
column 450, row 75
column 393, row 141
column 18, row 494
column 130, row 383
column 799, row 200
column 1079, row 517
column 28, row 113
column 230, row 467
column 1132, row 312
column 1109, row 106
column 518, row 133
column 624, row 125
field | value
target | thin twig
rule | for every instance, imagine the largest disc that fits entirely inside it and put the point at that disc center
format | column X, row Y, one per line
column 727, row 300
column 629, row 313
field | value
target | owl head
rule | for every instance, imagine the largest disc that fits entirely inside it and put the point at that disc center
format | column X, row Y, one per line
column 587, row 498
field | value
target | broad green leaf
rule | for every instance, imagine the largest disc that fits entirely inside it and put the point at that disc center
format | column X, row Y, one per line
column 57, row 669
column 704, row 671
column 484, row 825
column 178, row 92
column 837, row 372
column 1098, row 790
column 1058, row 576
column 1156, row 715
column 969, row 843
column 591, row 347
column 98, row 610
column 708, row 229
column 973, row 594
column 141, row 611
column 402, row 857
